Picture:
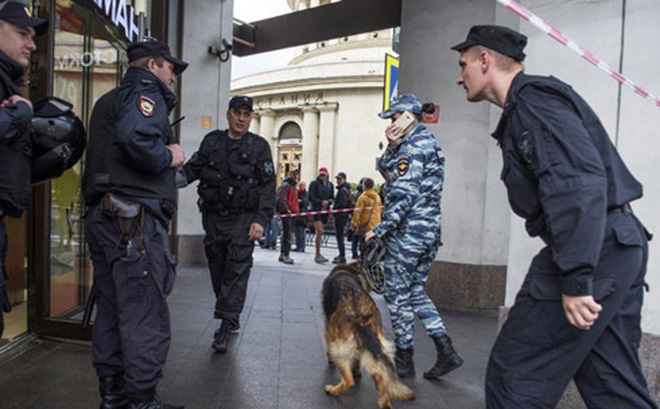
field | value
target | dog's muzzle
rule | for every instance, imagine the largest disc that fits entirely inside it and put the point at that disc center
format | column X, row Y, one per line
column 372, row 264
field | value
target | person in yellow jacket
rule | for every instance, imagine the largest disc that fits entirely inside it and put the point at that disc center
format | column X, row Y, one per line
column 368, row 209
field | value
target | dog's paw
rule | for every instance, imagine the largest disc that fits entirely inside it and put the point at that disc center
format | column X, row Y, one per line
column 331, row 390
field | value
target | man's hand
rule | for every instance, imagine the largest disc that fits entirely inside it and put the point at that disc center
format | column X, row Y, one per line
column 581, row 311
column 393, row 133
column 14, row 99
column 256, row 231
column 369, row 235
column 325, row 204
column 177, row 155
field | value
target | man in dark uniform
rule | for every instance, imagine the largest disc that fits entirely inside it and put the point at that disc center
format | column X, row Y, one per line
column 578, row 312
column 237, row 200
column 16, row 45
column 129, row 188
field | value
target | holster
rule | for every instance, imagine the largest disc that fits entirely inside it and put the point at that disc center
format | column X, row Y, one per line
column 124, row 214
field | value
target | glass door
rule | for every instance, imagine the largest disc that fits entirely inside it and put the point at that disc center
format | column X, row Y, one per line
column 88, row 61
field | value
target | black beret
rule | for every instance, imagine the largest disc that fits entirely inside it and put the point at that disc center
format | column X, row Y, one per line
column 154, row 48
column 17, row 14
column 501, row 39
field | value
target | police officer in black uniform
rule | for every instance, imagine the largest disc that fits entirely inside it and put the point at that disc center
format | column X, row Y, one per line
column 16, row 44
column 129, row 188
column 577, row 315
column 237, row 199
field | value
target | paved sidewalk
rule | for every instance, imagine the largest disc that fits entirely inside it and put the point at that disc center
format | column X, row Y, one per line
column 277, row 359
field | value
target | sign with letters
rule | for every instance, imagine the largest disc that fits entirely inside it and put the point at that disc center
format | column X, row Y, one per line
column 122, row 16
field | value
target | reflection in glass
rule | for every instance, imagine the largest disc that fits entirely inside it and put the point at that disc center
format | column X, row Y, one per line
column 85, row 67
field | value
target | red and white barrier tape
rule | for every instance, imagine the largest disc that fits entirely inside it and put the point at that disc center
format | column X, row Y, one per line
column 320, row 212
column 557, row 35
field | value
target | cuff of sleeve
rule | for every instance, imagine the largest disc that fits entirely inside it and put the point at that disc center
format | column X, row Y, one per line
column 578, row 282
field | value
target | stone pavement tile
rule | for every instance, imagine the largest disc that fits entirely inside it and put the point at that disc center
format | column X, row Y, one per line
column 277, row 360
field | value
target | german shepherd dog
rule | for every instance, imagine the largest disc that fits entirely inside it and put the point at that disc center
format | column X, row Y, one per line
column 354, row 336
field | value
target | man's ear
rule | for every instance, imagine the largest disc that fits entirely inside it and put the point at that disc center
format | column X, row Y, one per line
column 485, row 60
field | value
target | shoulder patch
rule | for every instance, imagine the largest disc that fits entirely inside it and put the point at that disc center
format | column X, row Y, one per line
column 146, row 106
column 403, row 164
column 269, row 168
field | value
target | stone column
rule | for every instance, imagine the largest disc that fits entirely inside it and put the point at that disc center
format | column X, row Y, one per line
column 310, row 143
column 255, row 125
column 266, row 125
column 328, row 117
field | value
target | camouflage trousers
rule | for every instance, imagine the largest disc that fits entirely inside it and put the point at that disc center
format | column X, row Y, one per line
column 407, row 264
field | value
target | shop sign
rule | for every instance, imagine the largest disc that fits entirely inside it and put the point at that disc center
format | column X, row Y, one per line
column 122, row 16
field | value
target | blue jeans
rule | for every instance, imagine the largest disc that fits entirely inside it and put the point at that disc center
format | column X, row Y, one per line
column 301, row 236
column 272, row 231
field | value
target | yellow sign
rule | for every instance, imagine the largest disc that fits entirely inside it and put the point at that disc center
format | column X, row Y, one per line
column 207, row 122
column 391, row 80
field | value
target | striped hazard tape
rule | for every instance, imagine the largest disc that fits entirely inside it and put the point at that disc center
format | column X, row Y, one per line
column 321, row 212
column 557, row 35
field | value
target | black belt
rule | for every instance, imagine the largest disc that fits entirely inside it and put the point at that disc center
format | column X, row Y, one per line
column 624, row 208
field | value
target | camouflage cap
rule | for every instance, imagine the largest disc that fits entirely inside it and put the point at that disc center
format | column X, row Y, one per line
column 405, row 102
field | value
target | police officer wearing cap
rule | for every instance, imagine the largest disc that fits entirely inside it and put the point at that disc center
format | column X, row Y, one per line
column 17, row 30
column 237, row 199
column 129, row 189
column 414, row 168
column 577, row 315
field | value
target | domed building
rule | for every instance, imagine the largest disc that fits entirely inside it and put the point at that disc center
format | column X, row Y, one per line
column 321, row 109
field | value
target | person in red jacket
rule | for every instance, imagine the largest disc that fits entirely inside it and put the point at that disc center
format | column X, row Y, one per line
column 287, row 202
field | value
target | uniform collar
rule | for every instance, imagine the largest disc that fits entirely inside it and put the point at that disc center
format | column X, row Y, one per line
column 13, row 69
column 137, row 75
column 511, row 101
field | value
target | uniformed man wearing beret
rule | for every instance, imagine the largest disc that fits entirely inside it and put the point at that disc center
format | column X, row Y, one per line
column 237, row 199
column 129, row 188
column 577, row 315
column 17, row 30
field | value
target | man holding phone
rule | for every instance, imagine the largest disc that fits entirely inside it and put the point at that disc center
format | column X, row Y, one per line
column 414, row 167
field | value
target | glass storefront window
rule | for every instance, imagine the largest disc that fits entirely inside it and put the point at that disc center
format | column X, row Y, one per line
column 86, row 65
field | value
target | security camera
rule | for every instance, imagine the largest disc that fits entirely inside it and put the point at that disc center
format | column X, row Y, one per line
column 222, row 50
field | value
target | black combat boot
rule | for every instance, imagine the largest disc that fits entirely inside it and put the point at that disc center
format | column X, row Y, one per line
column 113, row 395
column 448, row 359
column 405, row 366
column 148, row 399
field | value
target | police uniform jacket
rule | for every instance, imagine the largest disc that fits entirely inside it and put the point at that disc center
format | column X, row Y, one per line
column 562, row 173
column 235, row 176
column 127, row 150
column 15, row 143
column 415, row 173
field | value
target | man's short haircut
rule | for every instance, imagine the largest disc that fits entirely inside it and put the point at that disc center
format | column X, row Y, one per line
column 368, row 183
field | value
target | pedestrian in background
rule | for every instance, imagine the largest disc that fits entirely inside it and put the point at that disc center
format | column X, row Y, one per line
column 300, row 222
column 366, row 216
column 355, row 241
column 343, row 200
column 321, row 196
column 577, row 315
column 237, row 200
column 287, row 203
column 414, row 166
column 130, row 193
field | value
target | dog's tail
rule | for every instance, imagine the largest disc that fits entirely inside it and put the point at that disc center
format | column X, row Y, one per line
column 378, row 358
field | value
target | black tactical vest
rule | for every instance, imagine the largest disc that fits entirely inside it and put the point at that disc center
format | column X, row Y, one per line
column 229, row 180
